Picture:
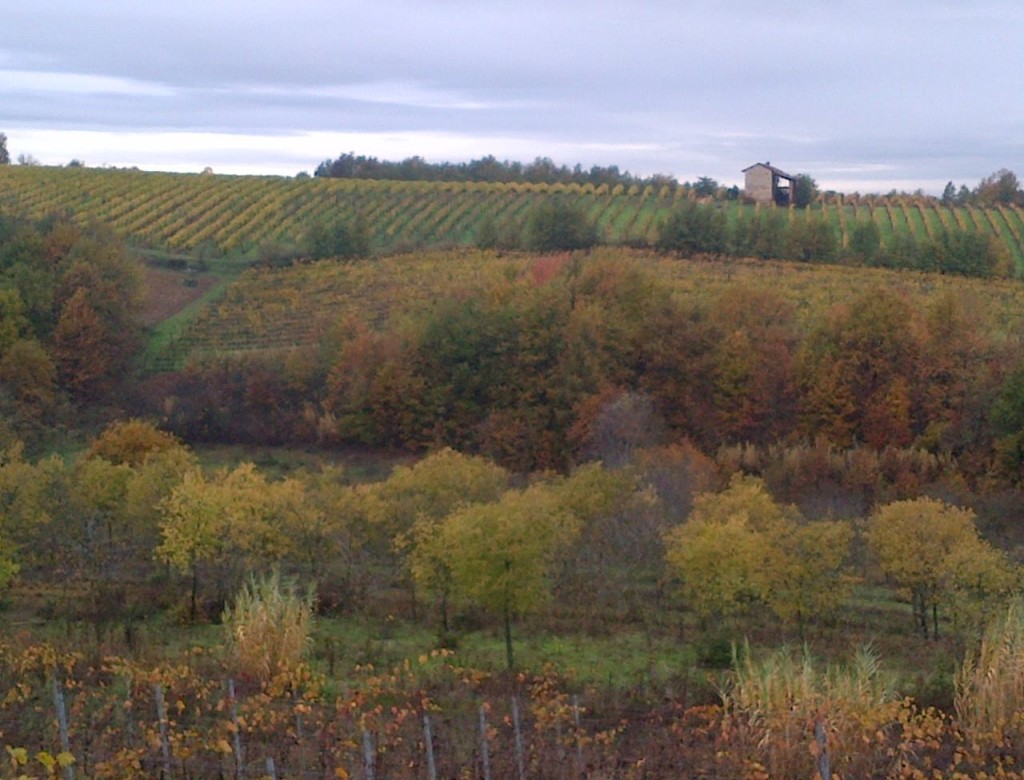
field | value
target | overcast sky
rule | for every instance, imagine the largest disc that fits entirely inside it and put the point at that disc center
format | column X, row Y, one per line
column 861, row 95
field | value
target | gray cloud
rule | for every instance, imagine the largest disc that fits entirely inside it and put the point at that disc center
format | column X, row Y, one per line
column 873, row 92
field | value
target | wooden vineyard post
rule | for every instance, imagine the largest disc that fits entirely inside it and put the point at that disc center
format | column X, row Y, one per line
column 485, row 748
column 428, row 746
column 62, row 724
column 369, row 763
column 579, row 735
column 236, row 738
column 298, row 732
column 824, row 770
column 161, row 715
column 517, row 727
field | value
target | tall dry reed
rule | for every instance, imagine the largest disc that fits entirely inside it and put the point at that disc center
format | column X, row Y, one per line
column 990, row 683
column 268, row 626
column 784, row 710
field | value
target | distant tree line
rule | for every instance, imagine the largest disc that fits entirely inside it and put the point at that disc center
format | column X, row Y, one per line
column 999, row 188
column 541, row 171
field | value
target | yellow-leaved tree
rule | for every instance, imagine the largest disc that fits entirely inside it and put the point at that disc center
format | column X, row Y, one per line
column 932, row 550
column 192, row 530
column 810, row 581
column 500, row 553
column 33, row 516
column 325, row 524
column 408, row 507
column 132, row 442
column 725, row 551
column 235, row 519
column 740, row 547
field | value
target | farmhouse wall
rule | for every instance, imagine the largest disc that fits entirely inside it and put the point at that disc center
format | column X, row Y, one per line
column 758, row 184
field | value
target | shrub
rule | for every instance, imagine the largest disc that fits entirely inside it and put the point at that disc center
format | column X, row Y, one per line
column 558, row 225
column 131, row 442
column 693, row 228
column 347, row 239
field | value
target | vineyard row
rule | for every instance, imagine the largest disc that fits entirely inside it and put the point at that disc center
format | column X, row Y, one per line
column 230, row 214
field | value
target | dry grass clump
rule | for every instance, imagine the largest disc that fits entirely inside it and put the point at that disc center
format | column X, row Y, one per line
column 990, row 683
column 788, row 713
column 269, row 626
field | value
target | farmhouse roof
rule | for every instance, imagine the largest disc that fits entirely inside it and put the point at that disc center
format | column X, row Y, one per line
column 770, row 167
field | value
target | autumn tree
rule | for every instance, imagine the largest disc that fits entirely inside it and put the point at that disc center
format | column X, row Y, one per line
column 131, row 442
column 5, row 156
column 810, row 581
column 724, row 553
column 233, row 521
column 491, row 374
column 617, row 556
column 27, row 370
column 932, row 550
column 374, row 394
column 500, row 553
column 192, row 530
column 75, row 293
column 13, row 321
column 34, row 516
column 1007, row 415
column 1001, row 187
column 754, row 389
column 151, row 483
column 83, row 363
column 740, row 547
column 859, row 372
column 959, row 368
column 408, row 507
column 98, row 495
column 677, row 351
column 330, row 540
column 9, row 567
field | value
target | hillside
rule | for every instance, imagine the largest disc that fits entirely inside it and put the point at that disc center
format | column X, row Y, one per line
column 269, row 309
column 682, row 463
column 214, row 214
column 519, row 356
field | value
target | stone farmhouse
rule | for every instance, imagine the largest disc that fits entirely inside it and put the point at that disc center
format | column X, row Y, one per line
column 764, row 183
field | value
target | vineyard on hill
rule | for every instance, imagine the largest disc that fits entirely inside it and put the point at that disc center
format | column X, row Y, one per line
column 217, row 214
column 227, row 214
column 279, row 309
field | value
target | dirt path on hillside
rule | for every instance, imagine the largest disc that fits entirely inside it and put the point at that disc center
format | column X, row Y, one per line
column 166, row 293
